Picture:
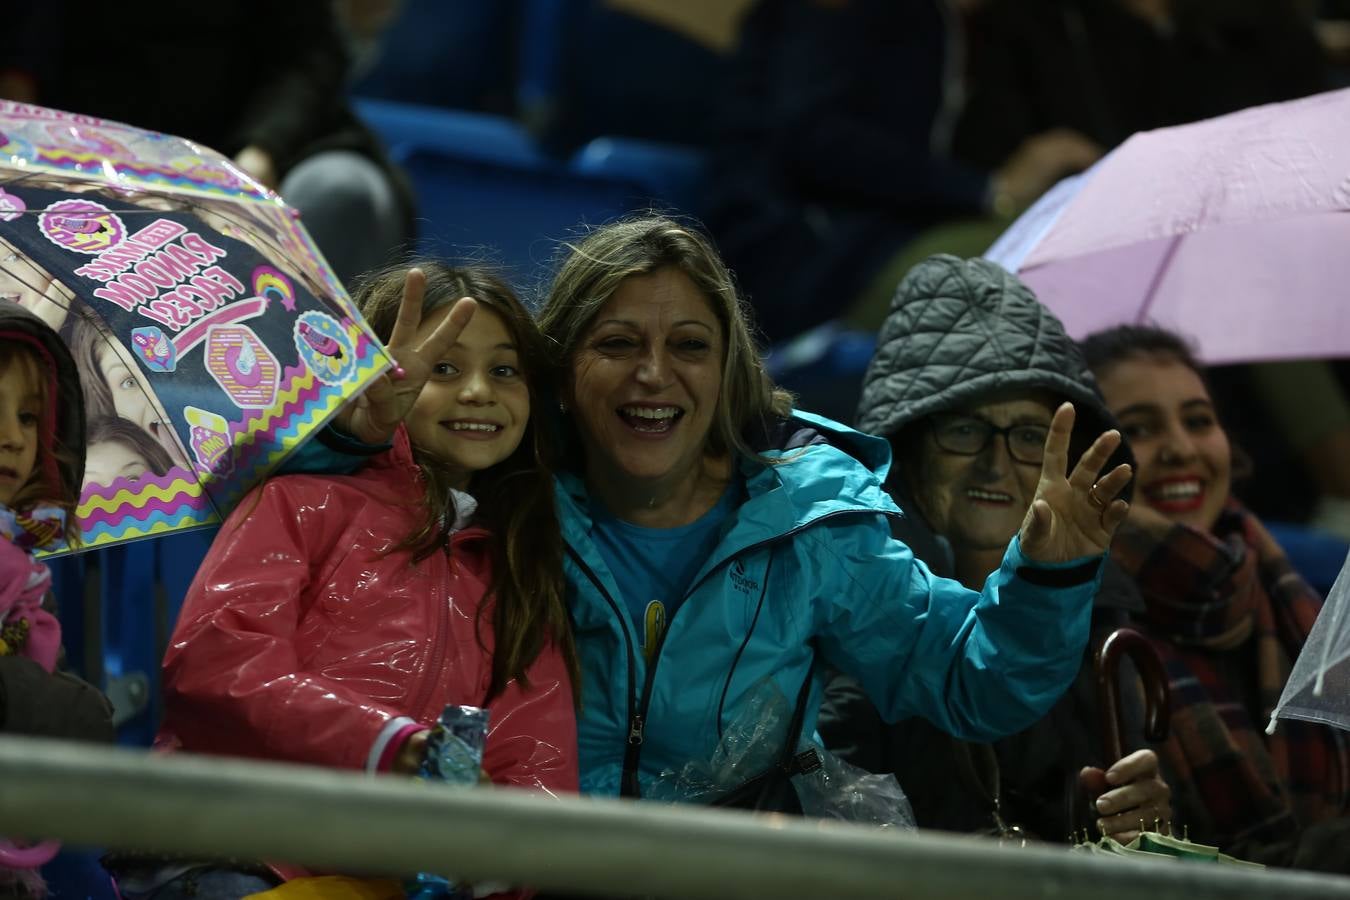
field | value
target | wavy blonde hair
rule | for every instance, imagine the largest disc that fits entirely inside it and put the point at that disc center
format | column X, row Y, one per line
column 594, row 268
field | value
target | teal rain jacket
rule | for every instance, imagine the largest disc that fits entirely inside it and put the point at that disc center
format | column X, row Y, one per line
column 808, row 563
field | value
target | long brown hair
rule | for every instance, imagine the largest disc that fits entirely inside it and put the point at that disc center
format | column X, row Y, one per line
column 595, row 267
column 515, row 496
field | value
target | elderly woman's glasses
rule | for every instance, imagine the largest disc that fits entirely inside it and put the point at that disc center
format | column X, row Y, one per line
column 969, row 435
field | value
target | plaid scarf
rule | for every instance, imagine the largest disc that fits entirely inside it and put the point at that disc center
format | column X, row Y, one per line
column 1214, row 604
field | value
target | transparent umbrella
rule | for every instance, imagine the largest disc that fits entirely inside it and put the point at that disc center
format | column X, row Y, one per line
column 1318, row 689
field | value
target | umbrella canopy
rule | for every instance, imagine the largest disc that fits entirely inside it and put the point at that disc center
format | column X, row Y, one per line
column 1232, row 231
column 210, row 336
column 1318, row 689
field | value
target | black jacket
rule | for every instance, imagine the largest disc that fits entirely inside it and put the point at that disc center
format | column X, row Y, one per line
column 824, row 164
column 32, row 701
column 959, row 330
column 1092, row 66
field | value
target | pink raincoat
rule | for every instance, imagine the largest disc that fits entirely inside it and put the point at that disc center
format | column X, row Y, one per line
column 303, row 639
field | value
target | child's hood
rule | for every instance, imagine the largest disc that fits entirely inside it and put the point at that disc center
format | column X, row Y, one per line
column 64, row 414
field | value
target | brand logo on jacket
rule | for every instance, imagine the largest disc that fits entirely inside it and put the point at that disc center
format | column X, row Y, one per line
column 742, row 582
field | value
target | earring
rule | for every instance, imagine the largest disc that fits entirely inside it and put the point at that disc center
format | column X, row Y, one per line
column 562, row 407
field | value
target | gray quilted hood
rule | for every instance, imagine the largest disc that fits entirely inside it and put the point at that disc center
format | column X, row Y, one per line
column 961, row 328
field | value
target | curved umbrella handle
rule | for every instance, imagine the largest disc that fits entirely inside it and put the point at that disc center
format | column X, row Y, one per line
column 1157, row 698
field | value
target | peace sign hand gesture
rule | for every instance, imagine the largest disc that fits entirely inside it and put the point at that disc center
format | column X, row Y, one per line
column 377, row 411
column 1074, row 517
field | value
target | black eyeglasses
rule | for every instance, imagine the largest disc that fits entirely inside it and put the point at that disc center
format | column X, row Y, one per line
column 969, row 435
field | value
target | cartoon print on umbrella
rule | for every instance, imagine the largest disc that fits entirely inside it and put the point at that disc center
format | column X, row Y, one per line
column 180, row 286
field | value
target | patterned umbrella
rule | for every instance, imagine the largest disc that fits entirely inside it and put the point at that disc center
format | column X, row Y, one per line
column 210, row 335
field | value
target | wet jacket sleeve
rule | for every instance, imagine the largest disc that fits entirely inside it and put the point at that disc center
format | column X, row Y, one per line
column 980, row 666
column 233, row 682
column 533, row 738
column 330, row 452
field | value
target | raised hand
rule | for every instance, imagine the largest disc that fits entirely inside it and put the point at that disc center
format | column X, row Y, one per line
column 1075, row 516
column 376, row 412
column 1130, row 792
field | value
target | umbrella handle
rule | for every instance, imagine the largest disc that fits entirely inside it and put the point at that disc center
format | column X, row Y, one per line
column 1157, row 698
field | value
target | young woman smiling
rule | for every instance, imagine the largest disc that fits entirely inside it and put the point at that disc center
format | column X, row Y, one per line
column 1228, row 614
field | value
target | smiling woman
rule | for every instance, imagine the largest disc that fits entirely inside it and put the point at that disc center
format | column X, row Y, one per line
column 718, row 539
column 718, row 544
column 968, row 373
column 1227, row 612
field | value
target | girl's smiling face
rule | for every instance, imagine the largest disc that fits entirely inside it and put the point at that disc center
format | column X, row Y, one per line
column 1184, row 461
column 473, row 411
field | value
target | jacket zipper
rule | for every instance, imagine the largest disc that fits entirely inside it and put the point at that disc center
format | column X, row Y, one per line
column 637, row 719
column 629, row 785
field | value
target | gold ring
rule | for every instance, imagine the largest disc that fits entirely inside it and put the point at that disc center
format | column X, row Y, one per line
column 1094, row 499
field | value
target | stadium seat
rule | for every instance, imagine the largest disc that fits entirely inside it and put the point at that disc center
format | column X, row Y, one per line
column 486, row 190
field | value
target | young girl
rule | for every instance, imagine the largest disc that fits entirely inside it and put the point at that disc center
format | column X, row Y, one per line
column 335, row 617
column 41, row 461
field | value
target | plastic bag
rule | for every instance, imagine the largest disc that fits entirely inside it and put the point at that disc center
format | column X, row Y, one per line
column 753, row 742
column 454, row 755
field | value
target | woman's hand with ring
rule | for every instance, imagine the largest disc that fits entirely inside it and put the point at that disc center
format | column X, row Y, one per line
column 1074, row 516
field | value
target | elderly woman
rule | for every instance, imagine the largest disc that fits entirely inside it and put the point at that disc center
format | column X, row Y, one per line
column 716, row 538
column 1227, row 613
column 968, row 373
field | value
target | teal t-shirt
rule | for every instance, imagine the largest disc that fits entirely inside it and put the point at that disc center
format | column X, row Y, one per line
column 654, row 566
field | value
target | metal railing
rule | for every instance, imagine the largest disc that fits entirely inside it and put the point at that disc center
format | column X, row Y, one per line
column 341, row 821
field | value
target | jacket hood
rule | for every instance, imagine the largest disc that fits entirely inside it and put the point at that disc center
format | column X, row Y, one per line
column 962, row 329
column 63, row 419
column 803, row 429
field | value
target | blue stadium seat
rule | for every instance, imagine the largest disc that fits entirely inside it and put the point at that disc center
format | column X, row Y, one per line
column 487, row 191
column 668, row 173
column 461, row 55
column 1317, row 555
column 596, row 70
column 824, row 368
column 75, row 874
column 139, row 589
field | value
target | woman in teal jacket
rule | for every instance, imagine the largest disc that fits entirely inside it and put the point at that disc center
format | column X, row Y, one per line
column 716, row 538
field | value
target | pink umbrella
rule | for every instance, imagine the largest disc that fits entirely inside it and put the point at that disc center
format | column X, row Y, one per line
column 1233, row 231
